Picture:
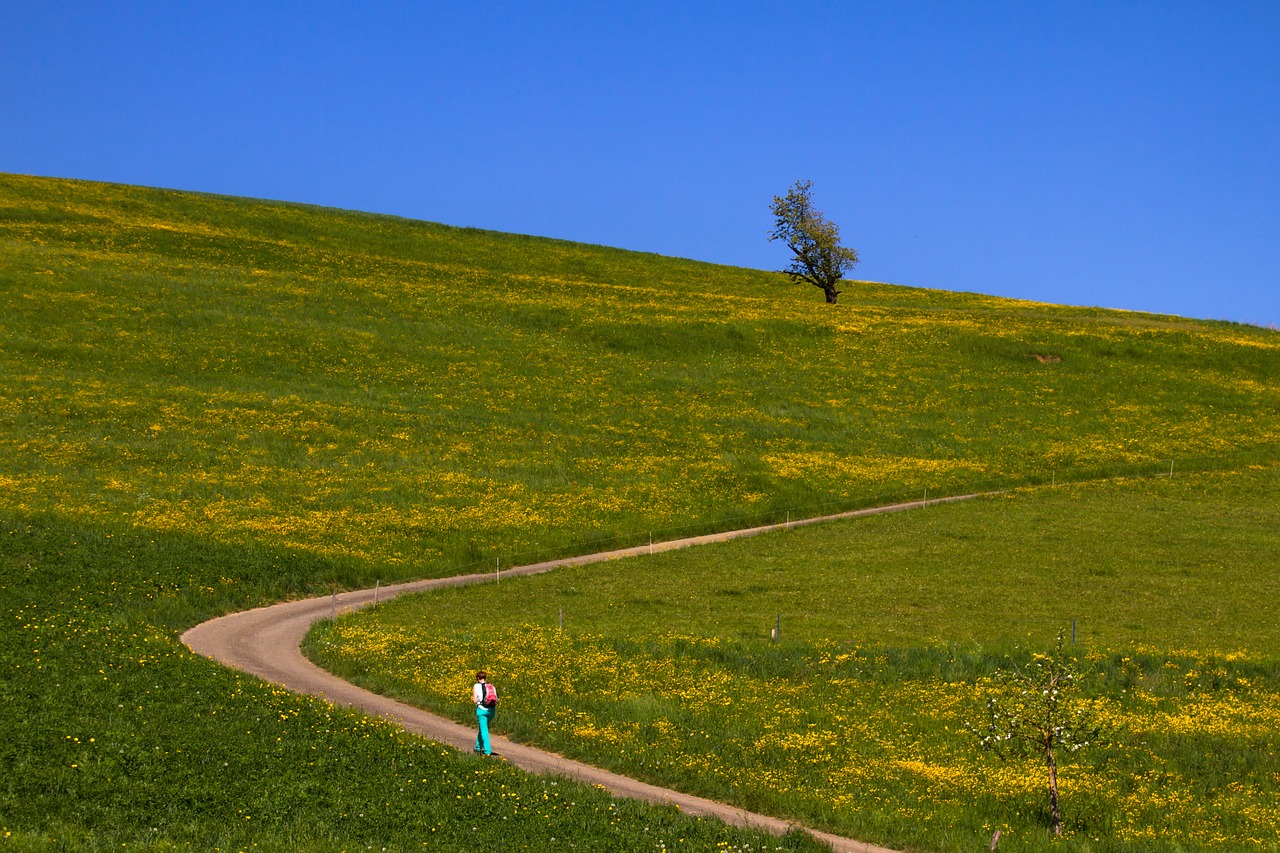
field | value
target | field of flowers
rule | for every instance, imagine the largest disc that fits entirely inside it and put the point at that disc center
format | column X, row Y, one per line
column 114, row 736
column 417, row 397
column 845, row 741
column 858, row 720
column 210, row 403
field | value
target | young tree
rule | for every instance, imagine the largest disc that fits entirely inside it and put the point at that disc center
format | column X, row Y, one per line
column 813, row 240
column 1035, row 713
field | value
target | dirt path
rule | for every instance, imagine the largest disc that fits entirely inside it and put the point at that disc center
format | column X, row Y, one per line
column 266, row 642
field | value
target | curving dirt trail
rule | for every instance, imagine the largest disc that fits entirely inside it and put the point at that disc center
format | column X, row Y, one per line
column 266, row 642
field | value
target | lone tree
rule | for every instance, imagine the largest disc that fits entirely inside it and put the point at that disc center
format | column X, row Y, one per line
column 815, row 242
column 1035, row 713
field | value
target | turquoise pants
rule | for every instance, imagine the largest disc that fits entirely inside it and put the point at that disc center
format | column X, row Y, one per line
column 483, row 716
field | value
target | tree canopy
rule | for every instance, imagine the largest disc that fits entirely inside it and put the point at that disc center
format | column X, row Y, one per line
column 814, row 241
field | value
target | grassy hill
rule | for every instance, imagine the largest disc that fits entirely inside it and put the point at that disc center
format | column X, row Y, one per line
column 859, row 720
column 207, row 403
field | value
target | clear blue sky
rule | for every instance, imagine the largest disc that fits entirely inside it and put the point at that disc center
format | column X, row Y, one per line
column 1123, row 154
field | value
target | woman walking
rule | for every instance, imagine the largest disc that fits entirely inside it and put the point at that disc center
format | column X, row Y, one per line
column 485, row 695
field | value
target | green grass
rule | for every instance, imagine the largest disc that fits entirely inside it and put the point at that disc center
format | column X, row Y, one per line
column 209, row 403
column 421, row 397
column 116, row 737
column 1181, row 562
column 892, row 625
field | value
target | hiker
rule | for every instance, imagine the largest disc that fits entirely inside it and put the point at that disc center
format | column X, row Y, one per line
column 485, row 695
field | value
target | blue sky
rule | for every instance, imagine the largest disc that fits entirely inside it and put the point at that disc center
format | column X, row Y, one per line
column 1122, row 154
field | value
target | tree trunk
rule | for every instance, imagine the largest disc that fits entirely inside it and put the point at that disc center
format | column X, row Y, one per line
column 1055, row 817
column 832, row 293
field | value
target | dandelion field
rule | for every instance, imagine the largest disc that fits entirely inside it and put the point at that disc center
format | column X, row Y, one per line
column 858, row 720
column 416, row 396
column 210, row 403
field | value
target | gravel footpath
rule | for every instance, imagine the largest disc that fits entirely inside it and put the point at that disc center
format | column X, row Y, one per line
column 266, row 642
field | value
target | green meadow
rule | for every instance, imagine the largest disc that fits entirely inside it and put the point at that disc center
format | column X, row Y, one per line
column 211, row 403
column 858, row 719
column 1188, row 562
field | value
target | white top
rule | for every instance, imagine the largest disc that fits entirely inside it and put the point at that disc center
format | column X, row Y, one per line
column 477, row 693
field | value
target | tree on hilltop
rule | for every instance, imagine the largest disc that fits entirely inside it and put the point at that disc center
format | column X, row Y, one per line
column 813, row 240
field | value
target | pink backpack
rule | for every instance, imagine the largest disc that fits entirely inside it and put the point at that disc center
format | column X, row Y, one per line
column 490, row 695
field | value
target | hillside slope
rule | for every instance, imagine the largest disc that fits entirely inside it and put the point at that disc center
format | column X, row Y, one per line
column 207, row 403
column 413, row 394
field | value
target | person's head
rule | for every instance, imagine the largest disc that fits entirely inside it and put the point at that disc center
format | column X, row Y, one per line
column 481, row 675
